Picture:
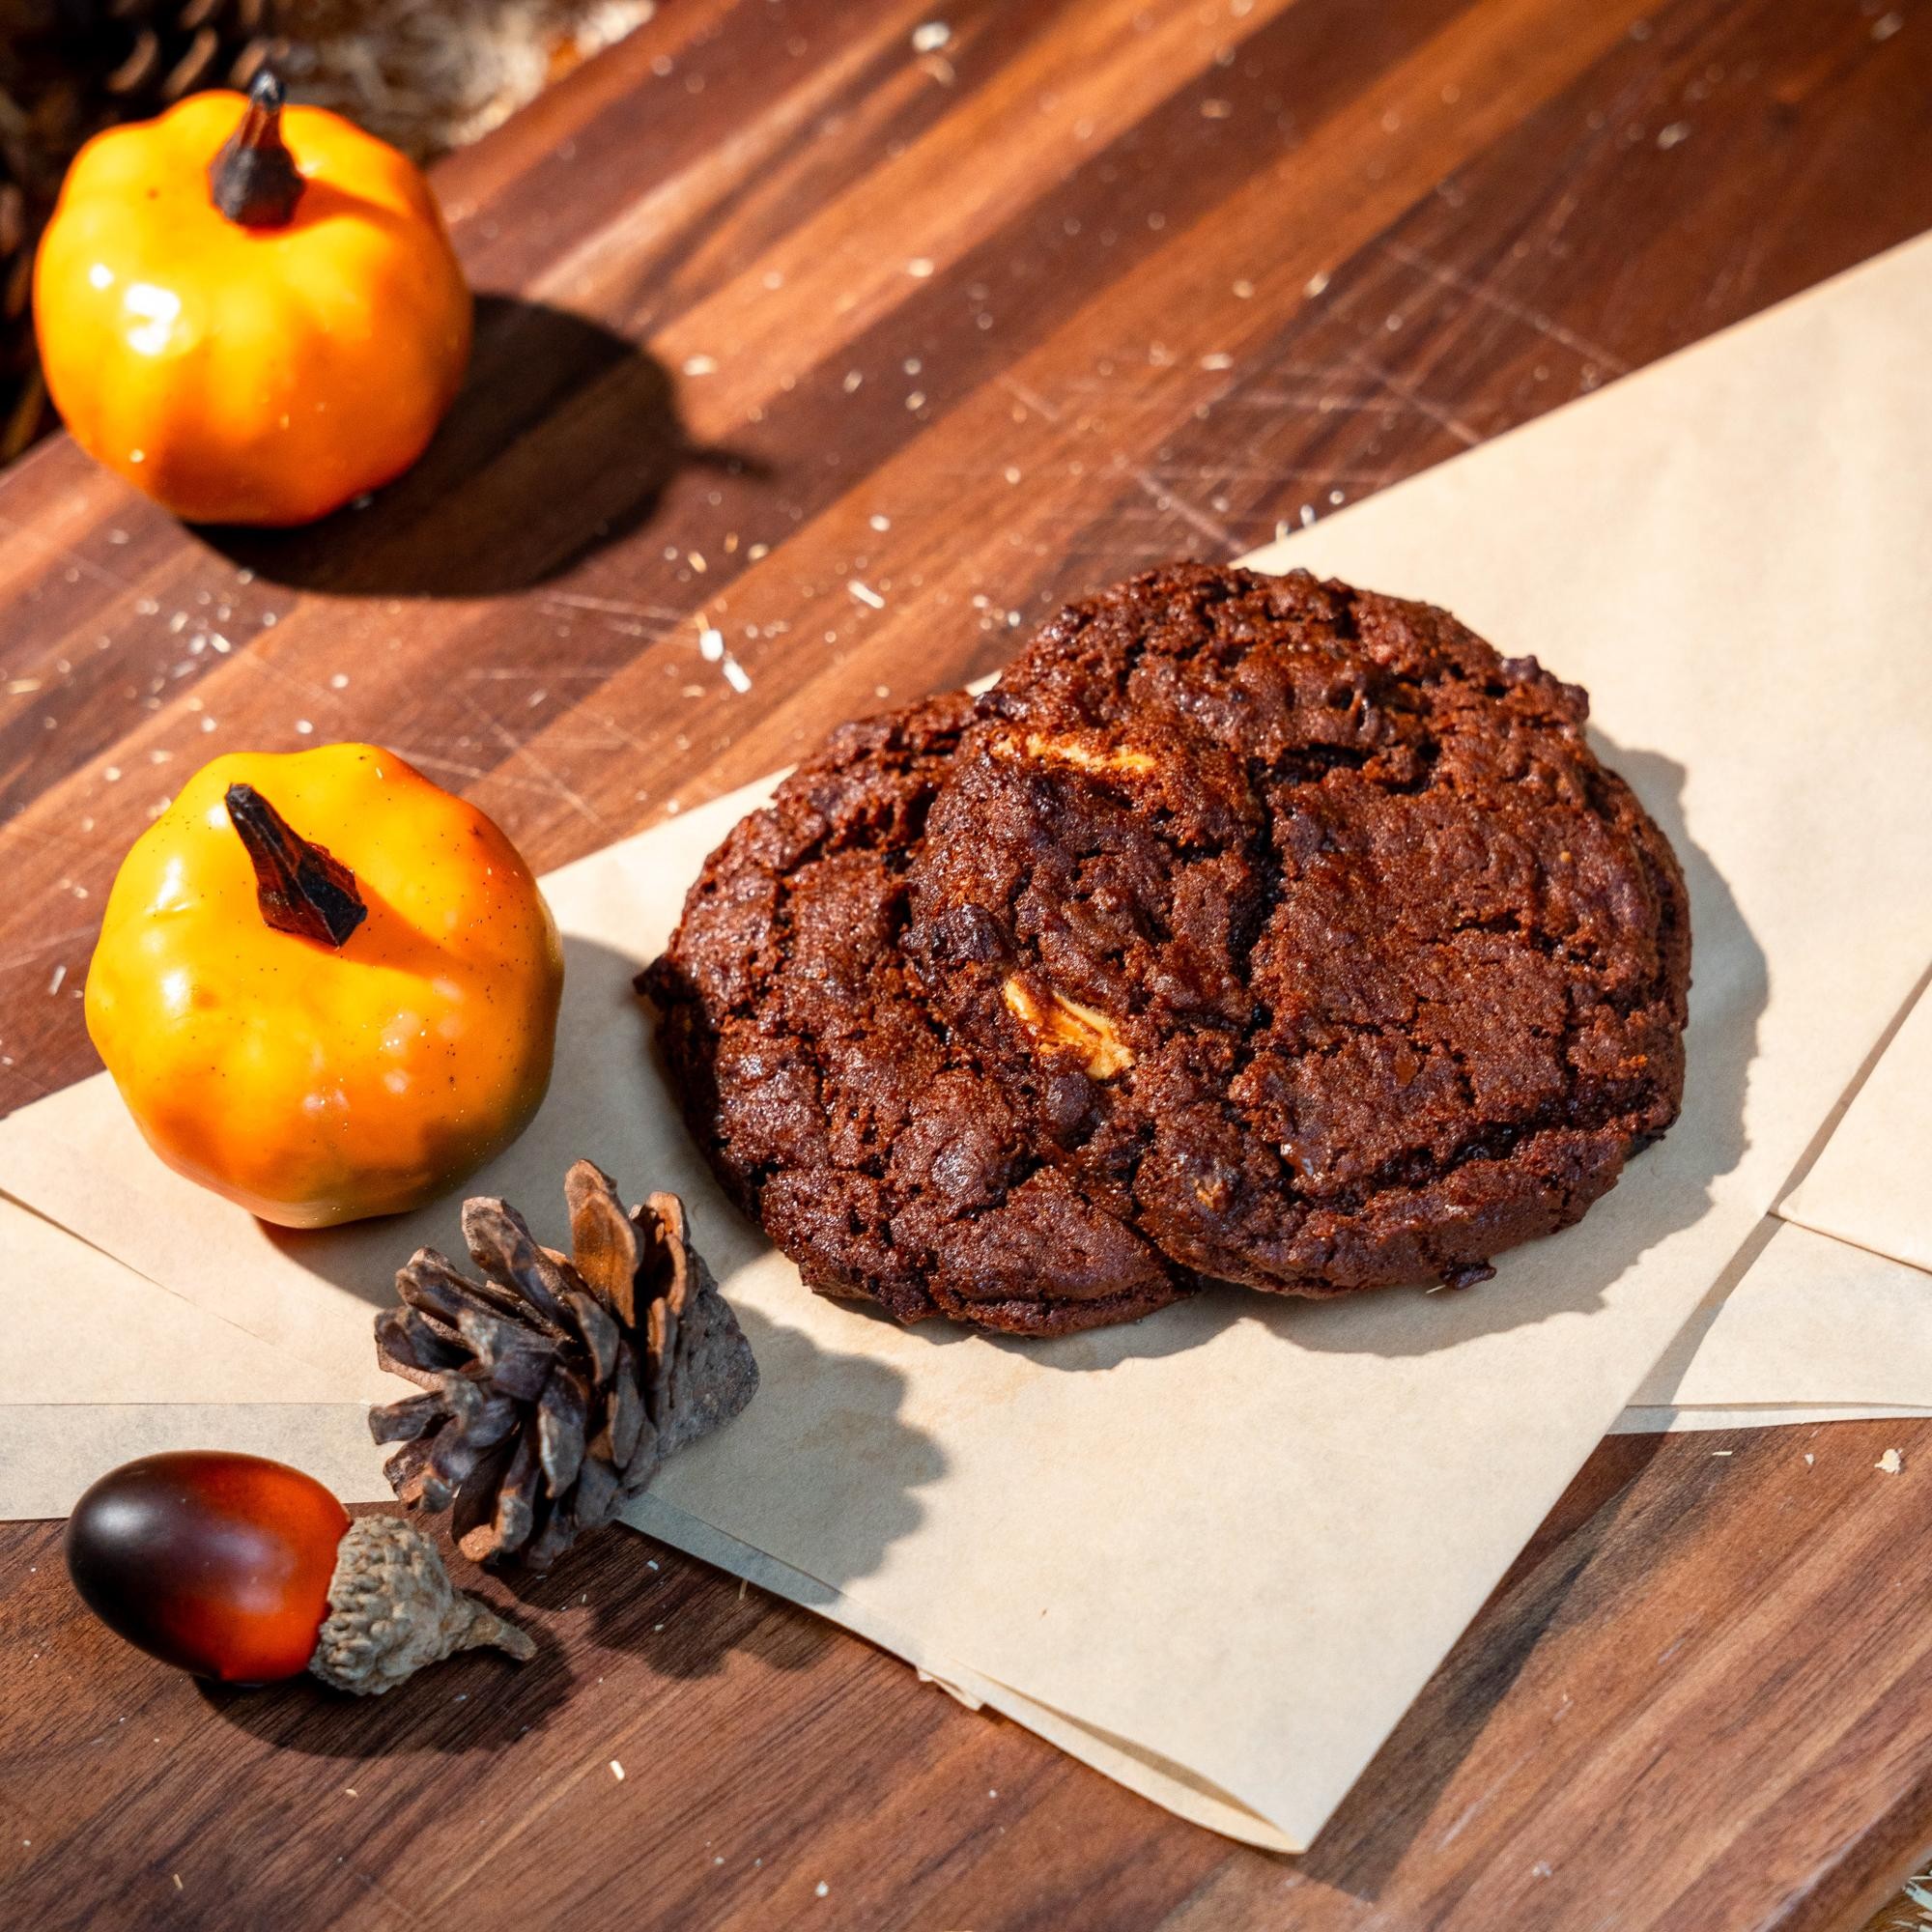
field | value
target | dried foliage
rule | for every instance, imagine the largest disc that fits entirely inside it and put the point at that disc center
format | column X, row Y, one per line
column 432, row 74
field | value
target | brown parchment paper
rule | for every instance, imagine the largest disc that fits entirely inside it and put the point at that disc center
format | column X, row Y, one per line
column 1872, row 1182
column 1228, row 1545
column 83, row 1329
column 1815, row 1322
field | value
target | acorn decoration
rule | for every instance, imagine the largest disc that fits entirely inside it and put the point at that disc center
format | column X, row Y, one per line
column 556, row 1385
column 248, row 1572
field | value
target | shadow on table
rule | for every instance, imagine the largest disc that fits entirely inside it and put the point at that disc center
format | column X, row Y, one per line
column 700, row 1628
column 481, row 1699
column 563, row 440
column 820, row 1406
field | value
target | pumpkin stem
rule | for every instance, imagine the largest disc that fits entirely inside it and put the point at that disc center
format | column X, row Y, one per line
column 300, row 886
column 254, row 179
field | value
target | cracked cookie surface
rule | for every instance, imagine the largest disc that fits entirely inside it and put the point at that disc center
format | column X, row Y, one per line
column 1308, row 929
column 873, row 1146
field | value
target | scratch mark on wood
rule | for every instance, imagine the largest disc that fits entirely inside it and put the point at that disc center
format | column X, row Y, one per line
column 26, row 956
column 554, row 783
column 617, row 607
column 1194, row 518
column 1415, row 400
column 266, row 667
column 1481, row 291
column 66, row 555
column 1031, row 398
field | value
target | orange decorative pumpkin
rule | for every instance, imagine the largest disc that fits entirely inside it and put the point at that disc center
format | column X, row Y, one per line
column 326, row 987
column 253, row 314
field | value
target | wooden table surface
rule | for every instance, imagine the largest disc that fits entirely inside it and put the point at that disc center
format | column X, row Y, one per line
column 864, row 331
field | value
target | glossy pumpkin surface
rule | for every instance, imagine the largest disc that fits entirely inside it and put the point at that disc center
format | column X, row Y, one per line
column 249, row 375
column 316, row 1083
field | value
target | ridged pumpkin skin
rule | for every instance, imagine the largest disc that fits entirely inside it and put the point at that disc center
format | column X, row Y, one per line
column 242, row 375
column 311, row 1084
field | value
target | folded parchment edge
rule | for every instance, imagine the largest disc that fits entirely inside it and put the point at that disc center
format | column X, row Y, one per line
column 1170, row 1786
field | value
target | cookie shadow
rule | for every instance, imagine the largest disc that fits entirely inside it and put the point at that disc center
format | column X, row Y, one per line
column 563, row 440
column 1663, row 1190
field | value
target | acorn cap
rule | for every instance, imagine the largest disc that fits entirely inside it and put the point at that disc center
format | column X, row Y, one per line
column 392, row 1609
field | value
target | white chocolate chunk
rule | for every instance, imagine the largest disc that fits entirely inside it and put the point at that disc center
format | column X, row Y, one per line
column 1066, row 1023
column 1065, row 750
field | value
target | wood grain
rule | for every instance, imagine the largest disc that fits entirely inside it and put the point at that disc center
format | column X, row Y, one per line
column 867, row 356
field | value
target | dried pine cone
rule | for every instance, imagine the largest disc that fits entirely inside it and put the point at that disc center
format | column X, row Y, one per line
column 556, row 1385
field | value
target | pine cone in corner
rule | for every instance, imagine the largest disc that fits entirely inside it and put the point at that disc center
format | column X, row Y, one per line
column 556, row 1385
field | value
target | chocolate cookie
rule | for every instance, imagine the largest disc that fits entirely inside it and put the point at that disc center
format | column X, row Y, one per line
column 873, row 1148
column 1307, row 928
